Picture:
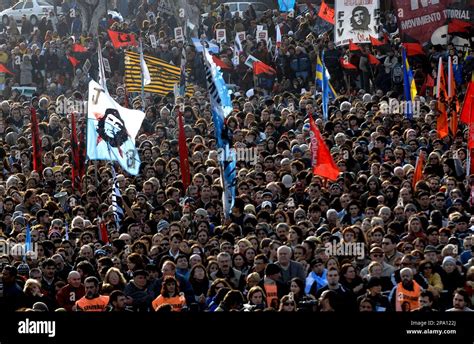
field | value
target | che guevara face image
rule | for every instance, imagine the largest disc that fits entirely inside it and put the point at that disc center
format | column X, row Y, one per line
column 111, row 128
column 360, row 18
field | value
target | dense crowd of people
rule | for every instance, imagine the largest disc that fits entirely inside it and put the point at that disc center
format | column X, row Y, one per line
column 368, row 241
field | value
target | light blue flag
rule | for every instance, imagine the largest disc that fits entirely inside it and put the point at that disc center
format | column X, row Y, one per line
column 221, row 107
column 27, row 240
column 111, row 130
column 286, row 5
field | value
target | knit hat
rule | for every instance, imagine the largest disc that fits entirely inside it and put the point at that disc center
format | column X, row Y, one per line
column 162, row 225
column 449, row 259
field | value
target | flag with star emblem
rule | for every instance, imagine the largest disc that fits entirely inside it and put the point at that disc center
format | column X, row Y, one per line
column 111, row 130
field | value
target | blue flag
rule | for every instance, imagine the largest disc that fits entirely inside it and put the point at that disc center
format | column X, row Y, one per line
column 27, row 240
column 221, row 107
column 286, row 5
column 111, row 130
column 325, row 95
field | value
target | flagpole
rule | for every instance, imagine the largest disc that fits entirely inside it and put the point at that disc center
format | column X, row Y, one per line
column 142, row 77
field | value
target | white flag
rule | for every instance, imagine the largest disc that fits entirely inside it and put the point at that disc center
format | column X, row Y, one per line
column 146, row 73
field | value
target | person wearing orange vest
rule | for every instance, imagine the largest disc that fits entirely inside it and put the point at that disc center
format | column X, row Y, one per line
column 274, row 289
column 170, row 295
column 92, row 301
column 405, row 295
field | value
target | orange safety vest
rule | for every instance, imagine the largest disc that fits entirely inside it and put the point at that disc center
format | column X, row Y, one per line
column 177, row 302
column 98, row 304
column 407, row 298
column 271, row 291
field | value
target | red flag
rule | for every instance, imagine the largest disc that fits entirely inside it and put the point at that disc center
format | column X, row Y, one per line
column 441, row 82
column 261, row 68
column 375, row 42
column 418, row 175
column 442, row 122
column 346, row 64
column 76, row 177
column 453, row 123
column 4, row 69
column 220, row 63
column 413, row 49
column 353, row 46
column 468, row 105
column 122, row 39
column 373, row 60
column 78, row 48
column 183, row 153
column 458, row 26
column 326, row 13
column 104, row 236
column 73, row 60
column 36, row 142
column 322, row 161
column 429, row 81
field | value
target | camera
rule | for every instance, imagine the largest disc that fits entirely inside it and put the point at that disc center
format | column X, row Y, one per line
column 307, row 305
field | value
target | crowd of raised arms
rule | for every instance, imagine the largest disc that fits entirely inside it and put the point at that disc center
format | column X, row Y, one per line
column 370, row 240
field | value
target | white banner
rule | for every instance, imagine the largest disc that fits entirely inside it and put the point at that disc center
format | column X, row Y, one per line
column 356, row 20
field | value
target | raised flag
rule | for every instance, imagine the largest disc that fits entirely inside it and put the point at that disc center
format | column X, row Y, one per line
column 76, row 173
column 183, row 153
column 221, row 107
column 375, row 42
column 353, row 46
column 36, row 143
column 373, row 60
column 111, row 130
column 78, row 48
column 4, row 69
column 28, row 246
column 346, row 64
column 121, row 39
column 418, row 174
column 441, row 82
column 320, row 69
column 442, row 122
column 409, row 86
column 163, row 75
column 220, row 63
column 321, row 160
column 103, row 235
column 468, row 105
column 326, row 13
column 145, row 72
column 261, row 68
column 286, row 5
column 116, row 198
column 413, row 49
column 73, row 60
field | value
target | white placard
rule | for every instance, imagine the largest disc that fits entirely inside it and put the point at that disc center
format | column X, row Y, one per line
column 250, row 60
column 259, row 27
column 242, row 36
column 356, row 20
column 107, row 65
column 262, row 34
column 178, row 34
column 152, row 41
column 220, row 35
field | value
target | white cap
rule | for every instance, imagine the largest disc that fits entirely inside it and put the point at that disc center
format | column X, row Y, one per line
column 266, row 204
